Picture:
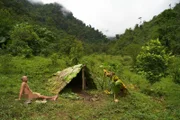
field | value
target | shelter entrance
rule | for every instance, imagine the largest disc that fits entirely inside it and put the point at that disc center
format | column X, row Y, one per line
column 76, row 84
column 76, row 78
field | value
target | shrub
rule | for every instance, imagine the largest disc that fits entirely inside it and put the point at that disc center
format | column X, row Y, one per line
column 174, row 69
column 127, row 60
column 152, row 61
column 54, row 59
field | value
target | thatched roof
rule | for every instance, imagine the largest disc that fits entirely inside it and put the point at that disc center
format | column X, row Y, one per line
column 60, row 79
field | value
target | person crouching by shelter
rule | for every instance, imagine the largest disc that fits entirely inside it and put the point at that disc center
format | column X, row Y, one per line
column 27, row 92
column 116, row 84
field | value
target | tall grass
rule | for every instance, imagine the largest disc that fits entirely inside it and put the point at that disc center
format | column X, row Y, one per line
column 159, row 101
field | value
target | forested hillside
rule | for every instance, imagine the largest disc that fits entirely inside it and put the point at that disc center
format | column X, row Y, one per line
column 37, row 40
column 54, row 22
column 165, row 26
column 28, row 28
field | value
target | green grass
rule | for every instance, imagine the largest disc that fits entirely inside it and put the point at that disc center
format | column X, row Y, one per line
column 159, row 101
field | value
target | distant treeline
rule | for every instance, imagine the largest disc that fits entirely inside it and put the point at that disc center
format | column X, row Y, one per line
column 42, row 29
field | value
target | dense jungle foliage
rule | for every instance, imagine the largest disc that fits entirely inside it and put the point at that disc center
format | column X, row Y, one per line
column 165, row 26
column 38, row 40
column 44, row 29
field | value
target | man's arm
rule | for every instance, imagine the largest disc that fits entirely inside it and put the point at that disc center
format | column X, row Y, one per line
column 21, row 90
column 28, row 88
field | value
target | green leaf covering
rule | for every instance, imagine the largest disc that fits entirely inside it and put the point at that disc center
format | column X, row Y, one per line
column 61, row 78
column 2, row 39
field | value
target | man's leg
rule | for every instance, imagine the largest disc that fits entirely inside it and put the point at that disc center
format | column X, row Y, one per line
column 38, row 95
column 53, row 98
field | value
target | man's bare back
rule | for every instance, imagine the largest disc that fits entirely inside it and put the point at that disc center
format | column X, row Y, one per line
column 27, row 92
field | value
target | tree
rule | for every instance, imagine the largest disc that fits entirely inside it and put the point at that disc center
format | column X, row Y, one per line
column 76, row 51
column 5, row 26
column 30, row 40
column 25, row 41
column 132, row 50
column 117, row 36
column 152, row 61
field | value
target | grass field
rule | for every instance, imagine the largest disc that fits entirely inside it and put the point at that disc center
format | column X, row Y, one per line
column 159, row 101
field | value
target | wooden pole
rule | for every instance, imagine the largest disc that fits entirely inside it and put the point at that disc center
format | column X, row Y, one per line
column 83, row 80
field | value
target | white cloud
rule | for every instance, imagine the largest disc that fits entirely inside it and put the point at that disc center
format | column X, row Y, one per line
column 113, row 16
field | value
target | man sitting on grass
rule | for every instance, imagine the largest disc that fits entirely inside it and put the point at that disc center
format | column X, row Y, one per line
column 26, row 91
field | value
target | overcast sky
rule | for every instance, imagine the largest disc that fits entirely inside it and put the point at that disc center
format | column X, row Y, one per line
column 114, row 16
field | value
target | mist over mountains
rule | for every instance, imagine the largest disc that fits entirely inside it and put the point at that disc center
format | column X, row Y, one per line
column 55, row 18
column 63, row 24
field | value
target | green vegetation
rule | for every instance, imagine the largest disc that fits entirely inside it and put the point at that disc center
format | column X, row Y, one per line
column 38, row 40
column 165, row 26
column 153, row 61
column 174, row 69
column 34, row 29
column 146, row 101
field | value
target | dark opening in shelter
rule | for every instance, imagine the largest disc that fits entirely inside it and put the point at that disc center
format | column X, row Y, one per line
column 76, row 78
column 76, row 84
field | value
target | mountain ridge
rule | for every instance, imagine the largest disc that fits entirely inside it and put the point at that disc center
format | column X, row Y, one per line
column 164, row 26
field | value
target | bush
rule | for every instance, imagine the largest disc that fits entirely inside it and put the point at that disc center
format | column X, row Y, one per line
column 127, row 60
column 96, row 64
column 152, row 61
column 54, row 59
column 174, row 69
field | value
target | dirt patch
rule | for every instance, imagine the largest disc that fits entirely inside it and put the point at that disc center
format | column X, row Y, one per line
column 88, row 97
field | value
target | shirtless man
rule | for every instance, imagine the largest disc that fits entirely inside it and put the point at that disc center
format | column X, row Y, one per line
column 26, row 91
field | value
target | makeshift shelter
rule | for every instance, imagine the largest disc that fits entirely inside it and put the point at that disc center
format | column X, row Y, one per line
column 77, row 78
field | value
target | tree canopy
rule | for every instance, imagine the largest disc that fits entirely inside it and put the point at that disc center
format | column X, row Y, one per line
column 43, row 29
column 153, row 61
column 165, row 27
